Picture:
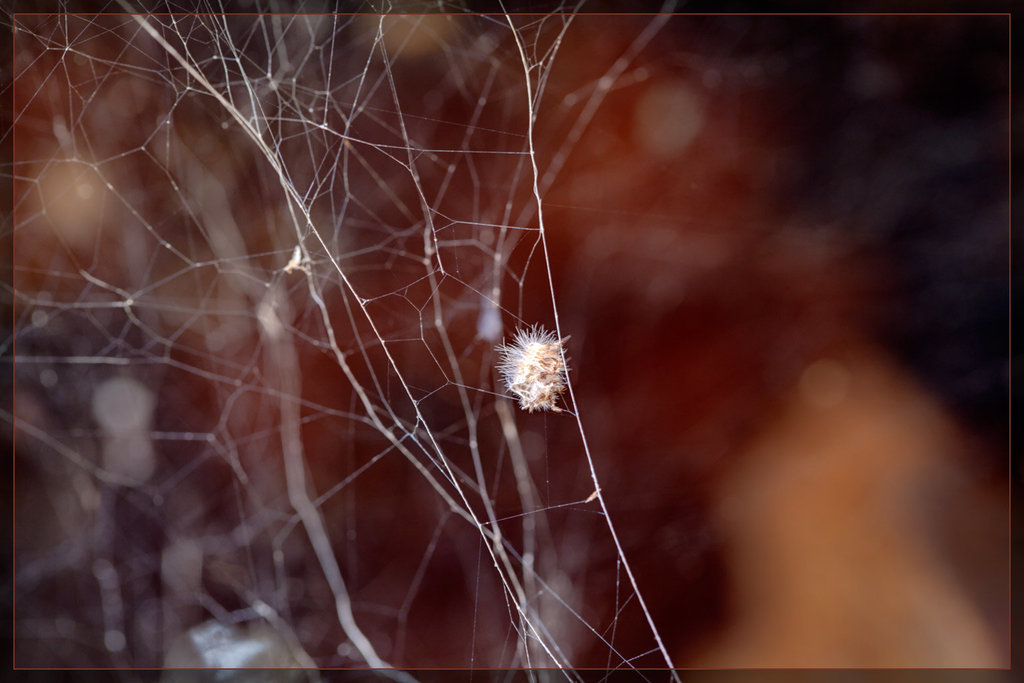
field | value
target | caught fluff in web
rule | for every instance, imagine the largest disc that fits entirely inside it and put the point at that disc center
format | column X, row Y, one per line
column 533, row 366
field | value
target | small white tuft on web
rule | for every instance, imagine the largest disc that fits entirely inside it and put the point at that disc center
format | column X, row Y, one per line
column 533, row 366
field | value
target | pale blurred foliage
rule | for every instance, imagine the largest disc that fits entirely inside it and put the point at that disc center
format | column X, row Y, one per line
column 829, row 520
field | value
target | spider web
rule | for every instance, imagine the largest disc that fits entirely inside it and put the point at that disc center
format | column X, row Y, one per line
column 262, row 263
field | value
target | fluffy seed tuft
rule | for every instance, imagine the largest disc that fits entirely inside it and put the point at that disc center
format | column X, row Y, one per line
column 533, row 367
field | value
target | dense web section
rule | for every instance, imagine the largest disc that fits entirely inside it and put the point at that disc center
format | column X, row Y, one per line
column 262, row 264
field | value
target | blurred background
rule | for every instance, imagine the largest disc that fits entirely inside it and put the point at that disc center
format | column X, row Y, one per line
column 796, row 314
column 779, row 244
